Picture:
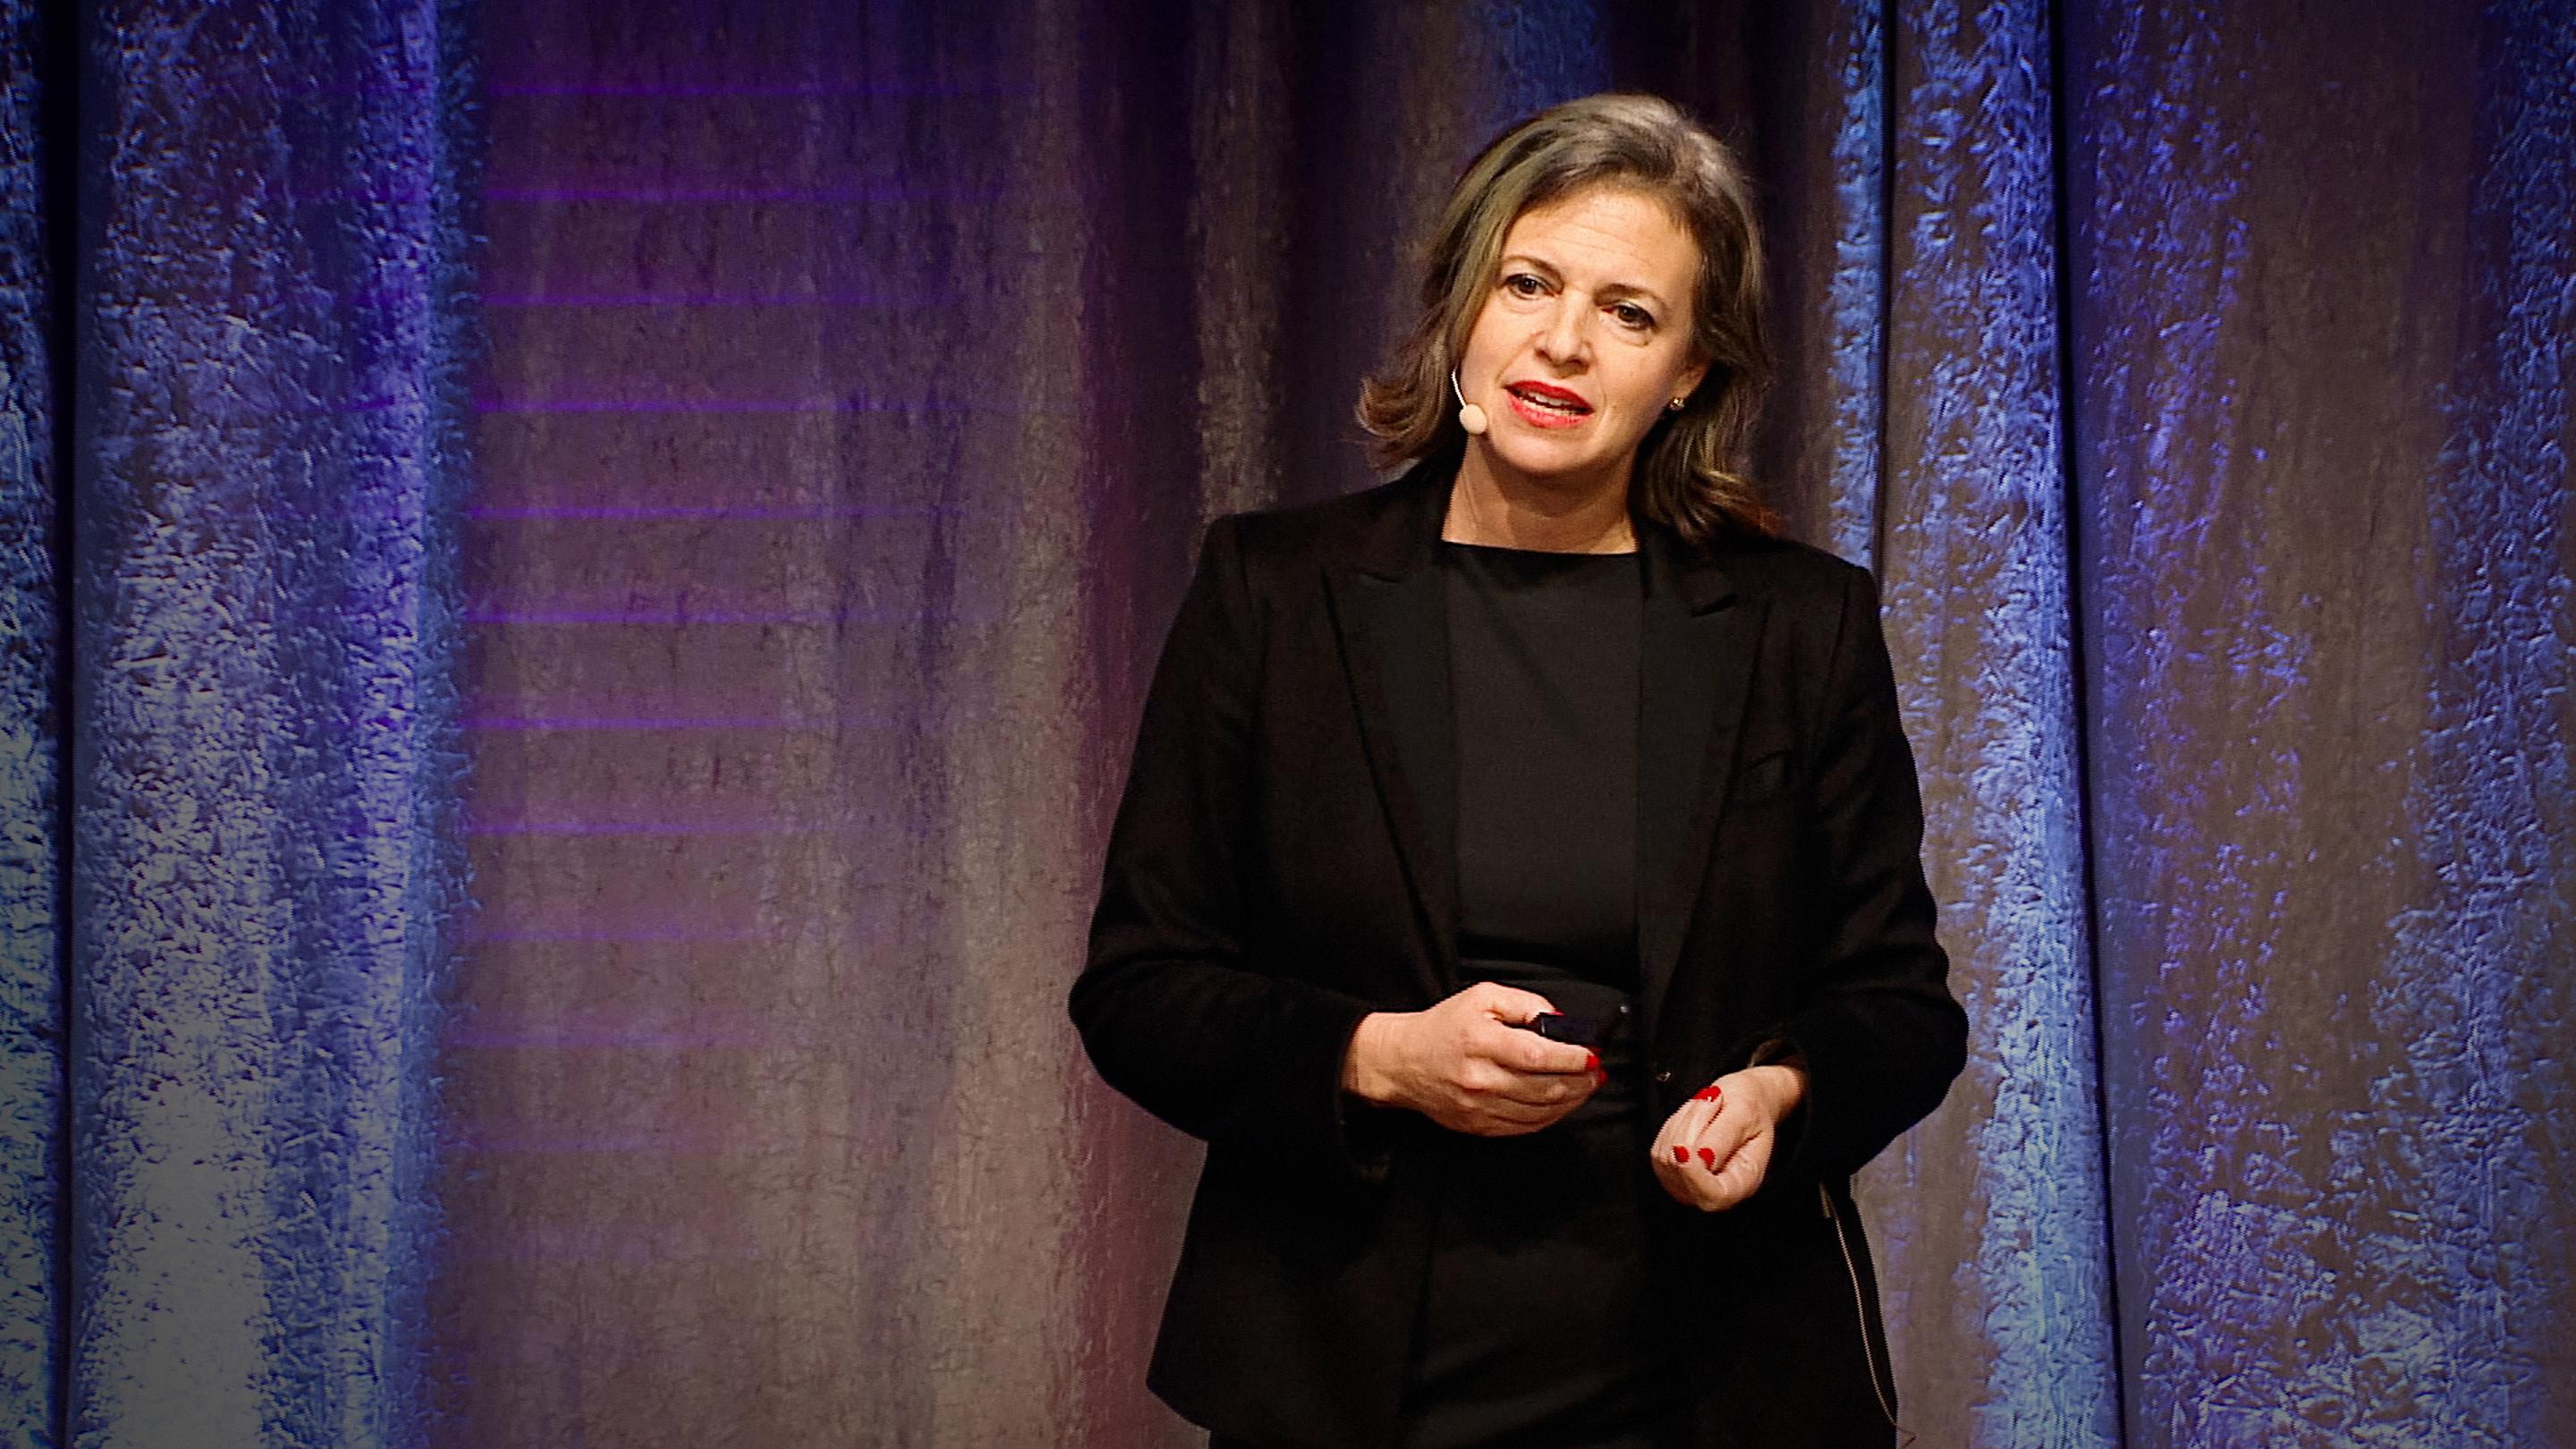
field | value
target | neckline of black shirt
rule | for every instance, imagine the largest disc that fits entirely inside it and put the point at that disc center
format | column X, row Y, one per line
column 1513, row 570
column 1567, row 553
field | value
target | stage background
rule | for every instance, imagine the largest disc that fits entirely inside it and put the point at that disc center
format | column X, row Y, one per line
column 715, row 475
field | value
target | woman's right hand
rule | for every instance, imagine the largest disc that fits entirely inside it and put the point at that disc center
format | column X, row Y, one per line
column 1465, row 1064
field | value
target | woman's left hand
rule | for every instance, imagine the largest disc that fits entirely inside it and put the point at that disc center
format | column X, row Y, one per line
column 1713, row 1153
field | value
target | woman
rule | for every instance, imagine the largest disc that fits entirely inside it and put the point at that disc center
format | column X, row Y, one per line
column 1517, row 882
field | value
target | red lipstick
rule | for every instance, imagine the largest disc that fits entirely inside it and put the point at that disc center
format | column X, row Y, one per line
column 1545, row 405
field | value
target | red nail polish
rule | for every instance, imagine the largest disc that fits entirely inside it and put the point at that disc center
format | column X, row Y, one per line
column 1681, row 1154
column 1708, row 1158
column 1592, row 1061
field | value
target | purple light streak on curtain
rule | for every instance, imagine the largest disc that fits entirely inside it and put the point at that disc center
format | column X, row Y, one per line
column 861, row 1186
column 2324, row 263
column 761, row 1094
column 922, row 1218
column 265, row 869
column 31, row 1003
column 1997, row 1258
column 1268, row 183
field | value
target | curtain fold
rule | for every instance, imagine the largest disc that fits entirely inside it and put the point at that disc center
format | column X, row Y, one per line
column 1998, row 1254
column 31, row 860
column 263, row 718
column 1819, row 138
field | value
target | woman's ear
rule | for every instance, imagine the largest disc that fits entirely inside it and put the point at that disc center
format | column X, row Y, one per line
column 1692, row 376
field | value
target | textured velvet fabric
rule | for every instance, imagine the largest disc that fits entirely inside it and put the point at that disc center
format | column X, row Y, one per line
column 858, row 377
column 31, row 844
column 265, row 771
column 2323, row 407
column 1997, row 1270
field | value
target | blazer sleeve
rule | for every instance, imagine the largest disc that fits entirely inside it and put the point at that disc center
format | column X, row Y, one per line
column 1881, row 1038
column 1172, row 1008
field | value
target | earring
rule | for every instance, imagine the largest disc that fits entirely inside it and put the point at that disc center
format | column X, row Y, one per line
column 1470, row 416
column 1675, row 405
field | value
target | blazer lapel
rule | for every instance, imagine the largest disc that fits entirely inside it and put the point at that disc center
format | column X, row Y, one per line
column 1695, row 660
column 1391, row 613
column 1695, row 665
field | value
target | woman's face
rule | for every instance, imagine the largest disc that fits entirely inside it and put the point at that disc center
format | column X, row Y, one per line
column 1584, row 339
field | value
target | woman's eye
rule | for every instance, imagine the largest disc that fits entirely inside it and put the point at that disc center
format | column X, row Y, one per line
column 1632, row 315
column 1522, row 284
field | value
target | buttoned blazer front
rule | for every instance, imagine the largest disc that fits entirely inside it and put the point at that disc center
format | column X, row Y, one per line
column 1283, row 862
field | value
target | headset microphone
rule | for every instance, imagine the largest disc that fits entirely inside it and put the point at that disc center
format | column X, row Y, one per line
column 1470, row 416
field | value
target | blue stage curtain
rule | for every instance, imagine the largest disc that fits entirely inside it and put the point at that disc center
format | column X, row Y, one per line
column 1997, row 1257
column 264, row 863
column 2196, row 378
column 2324, row 304
column 31, row 998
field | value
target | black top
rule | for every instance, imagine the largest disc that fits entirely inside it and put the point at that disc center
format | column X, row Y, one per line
column 1540, row 1315
column 1543, row 669
column 1261, row 894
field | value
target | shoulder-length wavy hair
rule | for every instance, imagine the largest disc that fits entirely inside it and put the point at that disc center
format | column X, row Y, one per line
column 1690, row 474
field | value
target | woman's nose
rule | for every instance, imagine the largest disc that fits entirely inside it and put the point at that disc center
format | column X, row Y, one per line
column 1561, row 340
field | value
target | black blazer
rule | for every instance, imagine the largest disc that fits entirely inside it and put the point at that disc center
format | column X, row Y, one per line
column 1283, row 863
